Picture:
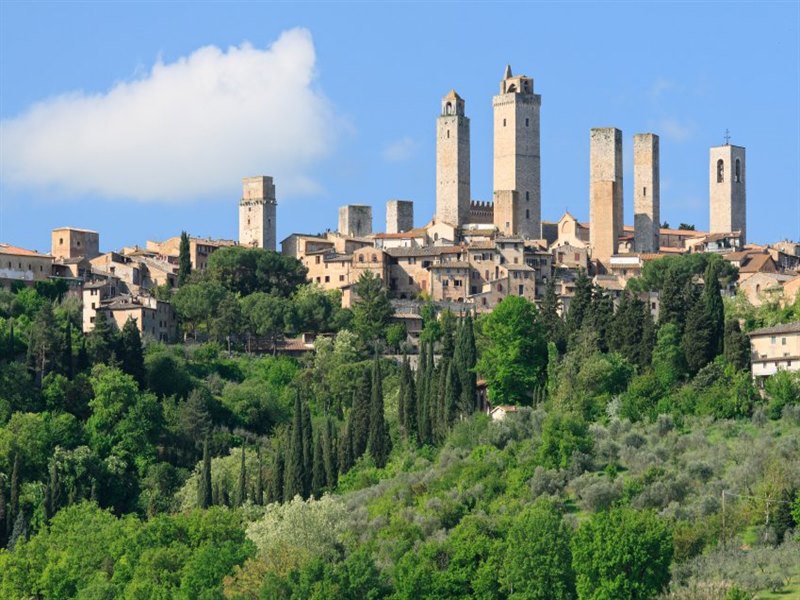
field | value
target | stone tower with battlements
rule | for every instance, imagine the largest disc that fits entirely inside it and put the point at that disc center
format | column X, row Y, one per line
column 517, row 162
column 646, row 193
column 399, row 216
column 605, row 192
column 727, row 197
column 452, row 162
column 257, row 213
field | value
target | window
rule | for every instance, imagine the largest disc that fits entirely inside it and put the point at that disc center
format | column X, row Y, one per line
column 318, row 280
column 445, row 283
column 737, row 174
column 783, row 341
column 327, row 278
column 412, row 260
column 521, row 290
column 504, row 122
column 316, row 261
column 410, row 281
column 486, row 275
column 448, row 110
column 473, row 289
column 720, row 171
column 499, row 287
column 527, row 196
column 78, row 244
column 456, row 283
column 448, row 134
column 773, row 339
column 341, row 277
column 644, row 192
column 577, row 256
column 361, row 258
column 527, row 213
column 526, row 122
column 91, row 319
column 516, row 260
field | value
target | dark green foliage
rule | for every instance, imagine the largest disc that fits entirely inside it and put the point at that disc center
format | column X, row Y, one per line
column 318, row 474
column 308, row 449
column 131, row 355
column 204, row 486
column 581, row 303
column 360, row 412
column 622, row 554
column 371, row 308
column 736, row 345
column 44, row 343
column 101, row 342
column 697, row 342
column 379, row 442
column 631, row 331
column 346, row 454
column 465, row 359
column 184, row 259
column 600, row 317
column 52, row 494
column 13, row 504
column 241, row 488
column 672, row 300
column 329, row 453
column 554, row 326
column 668, row 361
column 68, row 360
column 715, row 312
column 277, row 477
column 407, row 403
column 244, row 270
column 563, row 435
column 295, row 465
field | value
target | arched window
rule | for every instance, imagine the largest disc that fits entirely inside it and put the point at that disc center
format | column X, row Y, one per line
column 448, row 110
column 737, row 174
column 720, row 171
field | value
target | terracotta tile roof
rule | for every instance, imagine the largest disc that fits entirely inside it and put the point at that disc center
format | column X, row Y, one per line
column 453, row 264
column 16, row 251
column 756, row 263
column 777, row 329
column 412, row 233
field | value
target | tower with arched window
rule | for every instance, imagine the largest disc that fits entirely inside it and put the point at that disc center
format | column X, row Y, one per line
column 727, row 190
column 257, row 209
column 517, row 160
column 452, row 162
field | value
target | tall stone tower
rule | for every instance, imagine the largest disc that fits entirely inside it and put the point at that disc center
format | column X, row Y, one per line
column 646, row 193
column 257, row 213
column 452, row 162
column 605, row 192
column 517, row 162
column 399, row 216
column 355, row 220
column 727, row 197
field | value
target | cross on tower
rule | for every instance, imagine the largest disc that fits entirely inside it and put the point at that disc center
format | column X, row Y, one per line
column 727, row 137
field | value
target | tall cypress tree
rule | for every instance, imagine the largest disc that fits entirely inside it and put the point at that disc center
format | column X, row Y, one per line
column 452, row 392
column 715, row 311
column 581, row 302
column 600, row 316
column 329, row 454
column 184, row 260
column 3, row 511
column 672, row 300
column 626, row 328
column 68, row 360
column 308, row 450
column 551, row 319
column 130, row 350
column 277, row 476
column 468, row 377
column 318, row 479
column 360, row 414
column 409, row 402
column 737, row 345
column 295, row 476
column 439, row 413
column 259, row 491
column 346, row 457
column 51, row 497
column 83, row 356
column 378, row 443
column 696, row 341
column 12, row 341
column 241, row 491
column 13, row 504
column 401, row 398
column 204, row 490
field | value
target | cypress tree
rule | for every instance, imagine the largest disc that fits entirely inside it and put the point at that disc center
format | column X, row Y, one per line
column 20, row 531
column 736, row 345
column 672, row 300
column 409, row 402
column 51, row 497
column 551, row 320
column 439, row 415
column 83, row 356
column 600, row 316
column 318, row 469
column 626, row 328
column 216, row 495
column 696, row 341
column 241, row 491
column 131, row 354
column 346, row 458
column 452, row 393
column 67, row 360
column 715, row 311
column 401, row 399
column 3, row 515
column 468, row 378
column 12, row 341
column 295, row 477
column 204, row 490
column 259, row 490
column 184, row 260
column 329, row 454
column 308, row 450
column 13, row 505
column 378, row 442
column 360, row 414
column 277, row 477
column 581, row 302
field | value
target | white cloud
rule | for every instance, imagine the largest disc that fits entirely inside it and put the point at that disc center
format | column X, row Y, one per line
column 183, row 130
column 672, row 129
column 660, row 85
column 399, row 150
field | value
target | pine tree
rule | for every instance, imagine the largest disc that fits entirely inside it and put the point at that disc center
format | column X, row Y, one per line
column 295, row 476
column 318, row 469
column 627, row 328
column 68, row 360
column 204, row 484
column 131, row 354
column 736, row 345
column 329, row 454
column 101, row 341
column 580, row 304
column 44, row 350
column 241, row 491
column 308, row 450
column 360, row 414
column 184, row 260
column 715, row 311
column 696, row 341
column 277, row 477
column 378, row 443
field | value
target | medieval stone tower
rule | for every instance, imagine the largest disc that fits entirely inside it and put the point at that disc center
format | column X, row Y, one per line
column 646, row 193
column 355, row 220
column 399, row 216
column 452, row 162
column 727, row 197
column 517, row 161
column 257, row 213
column 605, row 192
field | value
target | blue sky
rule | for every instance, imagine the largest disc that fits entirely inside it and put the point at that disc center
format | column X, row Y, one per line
column 140, row 119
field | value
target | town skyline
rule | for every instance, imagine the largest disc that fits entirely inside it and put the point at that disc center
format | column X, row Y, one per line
column 382, row 121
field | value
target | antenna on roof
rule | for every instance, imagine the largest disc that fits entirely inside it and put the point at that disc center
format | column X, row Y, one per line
column 727, row 137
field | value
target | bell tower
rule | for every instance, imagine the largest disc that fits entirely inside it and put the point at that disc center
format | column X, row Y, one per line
column 727, row 191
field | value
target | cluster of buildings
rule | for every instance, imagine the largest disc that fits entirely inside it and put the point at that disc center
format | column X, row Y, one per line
column 470, row 253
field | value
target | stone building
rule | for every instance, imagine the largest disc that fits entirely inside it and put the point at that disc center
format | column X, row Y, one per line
column 646, row 192
column 21, row 265
column 71, row 242
column 506, row 212
column 727, row 193
column 199, row 249
column 399, row 216
column 452, row 162
column 517, row 160
column 605, row 192
column 355, row 220
column 257, row 213
column 775, row 348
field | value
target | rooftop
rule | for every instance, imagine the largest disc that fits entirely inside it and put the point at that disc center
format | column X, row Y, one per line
column 777, row 329
column 16, row 251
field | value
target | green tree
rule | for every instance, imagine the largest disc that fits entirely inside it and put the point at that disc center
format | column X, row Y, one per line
column 629, row 336
column 318, row 481
column 241, row 488
column 101, row 342
column 465, row 358
column 672, row 299
column 554, row 327
column 44, row 343
column 697, row 342
column 329, row 453
column 736, row 345
column 184, row 259
column 371, row 308
column 537, row 562
column 378, row 442
column 715, row 311
column 131, row 355
column 360, row 412
column 68, row 360
column 514, row 357
column 668, row 362
column 196, row 303
column 243, row 271
column 295, row 465
column 600, row 317
column 277, row 477
column 563, row 434
column 204, row 485
column 229, row 322
column 580, row 304
column 622, row 554
column 308, row 449
column 266, row 317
